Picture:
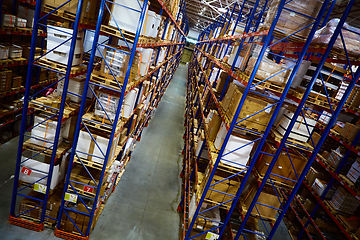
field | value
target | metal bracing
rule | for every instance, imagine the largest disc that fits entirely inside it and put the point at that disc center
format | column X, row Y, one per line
column 27, row 166
column 205, row 59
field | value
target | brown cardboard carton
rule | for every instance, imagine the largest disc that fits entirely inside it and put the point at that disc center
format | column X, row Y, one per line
column 252, row 105
column 266, row 197
column 349, row 131
column 214, row 126
column 283, row 166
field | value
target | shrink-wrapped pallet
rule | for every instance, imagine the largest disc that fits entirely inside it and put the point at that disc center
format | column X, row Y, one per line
column 351, row 37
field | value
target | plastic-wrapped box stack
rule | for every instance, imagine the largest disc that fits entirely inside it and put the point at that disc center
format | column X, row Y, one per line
column 300, row 131
column 76, row 85
column 350, row 34
column 57, row 36
column 344, row 201
column 44, row 133
column 354, row 172
column 107, row 104
column 289, row 21
column 5, row 79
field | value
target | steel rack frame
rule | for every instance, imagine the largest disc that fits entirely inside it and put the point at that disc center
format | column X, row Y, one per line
column 87, row 197
column 265, row 43
column 299, row 112
column 57, row 117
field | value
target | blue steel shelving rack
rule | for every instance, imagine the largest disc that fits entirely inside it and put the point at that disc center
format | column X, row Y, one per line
column 270, row 39
column 173, row 53
column 173, row 49
column 18, row 190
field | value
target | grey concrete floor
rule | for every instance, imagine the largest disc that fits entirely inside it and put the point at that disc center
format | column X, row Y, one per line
column 143, row 206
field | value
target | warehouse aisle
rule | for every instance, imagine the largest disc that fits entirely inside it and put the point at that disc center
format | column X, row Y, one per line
column 143, row 206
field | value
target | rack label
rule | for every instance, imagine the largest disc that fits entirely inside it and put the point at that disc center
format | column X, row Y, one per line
column 211, row 236
column 40, row 188
column 26, row 171
column 70, row 197
column 88, row 189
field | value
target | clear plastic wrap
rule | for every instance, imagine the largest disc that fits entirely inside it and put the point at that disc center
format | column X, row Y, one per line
column 269, row 69
column 292, row 21
column 351, row 38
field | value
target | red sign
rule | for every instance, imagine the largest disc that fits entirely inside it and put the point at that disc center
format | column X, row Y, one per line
column 88, row 189
column 26, row 171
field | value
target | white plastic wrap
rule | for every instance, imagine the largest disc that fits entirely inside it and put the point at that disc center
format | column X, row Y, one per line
column 351, row 38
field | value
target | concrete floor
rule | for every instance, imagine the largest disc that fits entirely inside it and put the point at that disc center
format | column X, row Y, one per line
column 143, row 206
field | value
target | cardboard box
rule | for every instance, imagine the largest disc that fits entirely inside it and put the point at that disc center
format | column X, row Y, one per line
column 80, row 180
column 8, row 20
column 225, row 186
column 283, row 166
column 289, row 21
column 354, row 172
column 87, row 149
column 109, row 103
column 349, row 131
column 89, row 11
column 214, row 126
column 43, row 134
column 15, row 51
column 39, row 170
column 252, row 105
column 311, row 175
column 300, row 130
column 269, row 70
column 267, row 197
column 57, row 36
column 124, row 18
column 235, row 155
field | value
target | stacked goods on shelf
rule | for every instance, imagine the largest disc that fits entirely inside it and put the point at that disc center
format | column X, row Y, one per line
column 58, row 45
column 43, row 132
column 8, row 20
column 35, row 171
column 301, row 130
column 354, row 172
column 107, row 104
column 277, row 73
column 5, row 79
column 112, row 73
column 343, row 201
column 252, row 105
column 332, row 77
column 76, row 86
column 26, row 14
column 287, row 168
column 351, row 37
column 88, row 12
column 294, row 17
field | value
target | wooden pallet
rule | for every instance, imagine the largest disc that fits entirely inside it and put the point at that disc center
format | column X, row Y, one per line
column 6, row 62
column 244, row 210
column 58, row 12
column 60, row 67
column 106, row 80
column 24, row 30
column 38, row 104
column 99, row 166
column 90, row 122
column 113, row 31
column 278, row 138
column 60, row 151
column 19, row 60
